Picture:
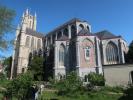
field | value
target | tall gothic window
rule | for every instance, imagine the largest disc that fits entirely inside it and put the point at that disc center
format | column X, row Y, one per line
column 111, row 53
column 61, row 55
column 32, row 43
column 27, row 42
column 73, row 31
column 30, row 58
column 38, row 44
column 65, row 32
column 87, row 53
column 59, row 35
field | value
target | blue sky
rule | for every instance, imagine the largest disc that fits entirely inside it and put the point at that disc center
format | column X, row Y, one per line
column 115, row 16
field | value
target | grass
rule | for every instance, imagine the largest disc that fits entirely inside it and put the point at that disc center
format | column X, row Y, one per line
column 51, row 95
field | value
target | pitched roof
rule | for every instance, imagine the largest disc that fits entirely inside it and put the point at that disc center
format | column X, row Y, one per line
column 63, row 38
column 84, row 32
column 34, row 33
column 105, row 35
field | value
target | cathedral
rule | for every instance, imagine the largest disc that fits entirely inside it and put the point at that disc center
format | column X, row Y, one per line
column 71, row 46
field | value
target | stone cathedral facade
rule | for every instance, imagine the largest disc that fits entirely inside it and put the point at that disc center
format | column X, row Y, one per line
column 71, row 46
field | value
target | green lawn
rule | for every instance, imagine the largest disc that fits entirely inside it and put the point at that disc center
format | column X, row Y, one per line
column 49, row 95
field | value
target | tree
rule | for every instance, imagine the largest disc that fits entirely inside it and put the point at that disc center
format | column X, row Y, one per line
column 7, row 66
column 20, row 86
column 6, row 18
column 36, row 67
column 129, row 56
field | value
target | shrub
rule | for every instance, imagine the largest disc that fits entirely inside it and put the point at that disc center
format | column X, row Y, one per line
column 129, row 93
column 96, row 79
column 69, row 85
column 2, row 77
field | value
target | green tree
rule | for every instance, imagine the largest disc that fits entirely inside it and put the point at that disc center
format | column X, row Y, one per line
column 37, row 68
column 129, row 56
column 20, row 86
column 6, row 18
column 7, row 65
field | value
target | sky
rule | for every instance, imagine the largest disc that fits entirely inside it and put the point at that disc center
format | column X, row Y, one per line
column 115, row 16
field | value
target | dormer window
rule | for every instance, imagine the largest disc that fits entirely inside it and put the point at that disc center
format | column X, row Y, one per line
column 87, row 53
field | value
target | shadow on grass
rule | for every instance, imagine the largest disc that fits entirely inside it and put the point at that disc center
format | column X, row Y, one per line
column 128, row 94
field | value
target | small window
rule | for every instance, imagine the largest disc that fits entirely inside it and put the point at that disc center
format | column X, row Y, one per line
column 87, row 53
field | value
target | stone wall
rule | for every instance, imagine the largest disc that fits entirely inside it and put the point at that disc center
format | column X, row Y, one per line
column 116, row 75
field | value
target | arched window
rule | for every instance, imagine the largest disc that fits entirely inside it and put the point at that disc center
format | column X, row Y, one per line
column 88, row 28
column 73, row 31
column 111, row 53
column 61, row 55
column 30, row 58
column 81, row 27
column 87, row 52
column 27, row 42
column 59, row 35
column 32, row 43
column 65, row 32
column 38, row 43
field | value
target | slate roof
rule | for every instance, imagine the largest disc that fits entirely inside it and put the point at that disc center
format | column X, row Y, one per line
column 105, row 35
column 63, row 38
column 34, row 33
column 84, row 32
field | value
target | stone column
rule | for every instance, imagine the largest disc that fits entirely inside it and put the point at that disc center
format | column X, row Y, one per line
column 55, row 60
column 46, row 42
column 69, row 31
column 77, row 57
column 98, row 57
column 56, row 36
column 51, row 39
column 62, row 33
column 67, row 56
column 122, row 60
column 104, row 53
column 99, row 54
column 96, row 52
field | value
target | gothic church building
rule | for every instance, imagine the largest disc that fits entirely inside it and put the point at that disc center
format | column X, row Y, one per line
column 71, row 46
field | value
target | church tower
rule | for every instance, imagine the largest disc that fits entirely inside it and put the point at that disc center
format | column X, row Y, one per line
column 28, row 20
column 21, row 51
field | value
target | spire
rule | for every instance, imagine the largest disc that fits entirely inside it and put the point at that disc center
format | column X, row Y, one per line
column 23, row 15
column 35, row 14
column 27, row 11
